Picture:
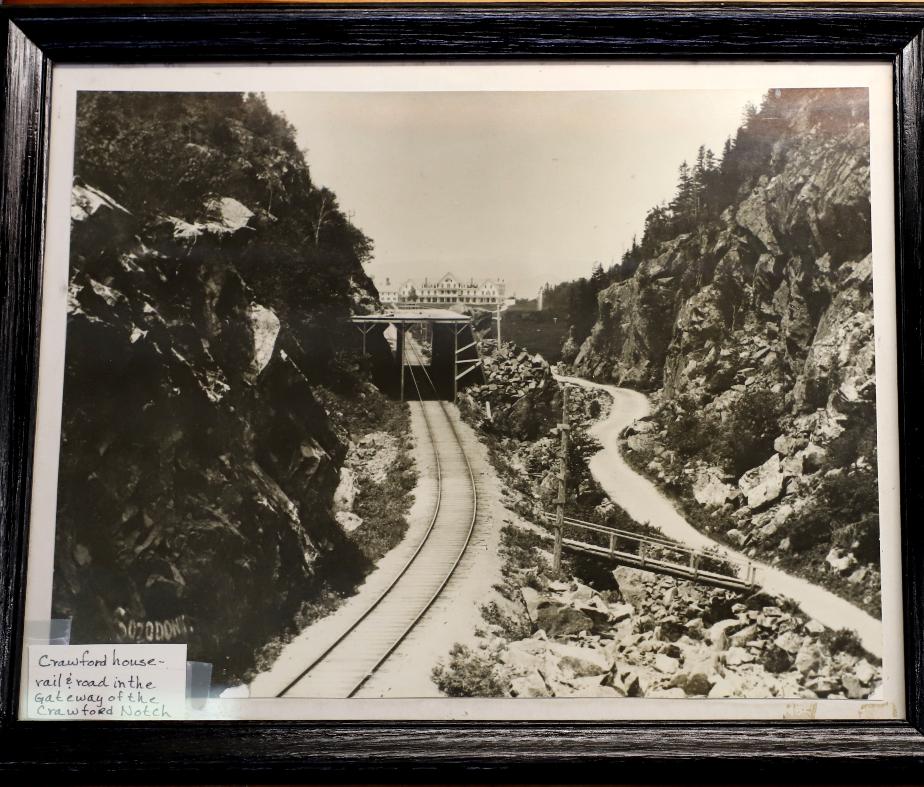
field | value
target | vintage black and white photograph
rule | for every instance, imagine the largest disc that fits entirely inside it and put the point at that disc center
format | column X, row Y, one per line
column 491, row 394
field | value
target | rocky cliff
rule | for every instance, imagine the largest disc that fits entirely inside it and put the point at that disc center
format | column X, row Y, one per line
column 754, row 329
column 198, row 466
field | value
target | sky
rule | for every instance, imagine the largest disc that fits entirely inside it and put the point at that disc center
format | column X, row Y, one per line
column 530, row 187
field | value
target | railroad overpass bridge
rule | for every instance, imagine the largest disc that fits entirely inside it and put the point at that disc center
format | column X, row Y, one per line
column 434, row 352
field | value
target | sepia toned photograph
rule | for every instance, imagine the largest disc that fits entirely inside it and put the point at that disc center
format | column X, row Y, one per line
column 486, row 394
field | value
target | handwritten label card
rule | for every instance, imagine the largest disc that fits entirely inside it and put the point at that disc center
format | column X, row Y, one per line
column 108, row 682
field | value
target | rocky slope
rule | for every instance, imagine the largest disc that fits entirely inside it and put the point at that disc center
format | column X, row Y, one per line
column 198, row 465
column 519, row 396
column 755, row 331
column 636, row 634
column 518, row 410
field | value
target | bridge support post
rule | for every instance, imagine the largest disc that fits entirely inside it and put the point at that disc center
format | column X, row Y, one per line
column 400, row 348
column 564, row 428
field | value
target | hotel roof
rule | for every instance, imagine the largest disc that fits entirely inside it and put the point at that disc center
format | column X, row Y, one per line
column 412, row 315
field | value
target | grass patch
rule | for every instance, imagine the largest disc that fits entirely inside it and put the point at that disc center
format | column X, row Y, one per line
column 384, row 506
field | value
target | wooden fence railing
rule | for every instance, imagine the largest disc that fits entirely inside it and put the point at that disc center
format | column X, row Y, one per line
column 661, row 556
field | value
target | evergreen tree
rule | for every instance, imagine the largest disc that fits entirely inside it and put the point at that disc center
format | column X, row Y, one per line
column 597, row 278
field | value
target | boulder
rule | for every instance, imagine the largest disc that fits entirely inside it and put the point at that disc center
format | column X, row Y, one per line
column 529, row 685
column 710, row 490
column 639, row 442
column 666, row 664
column 736, row 655
column 632, row 586
column 787, row 445
column 620, row 612
column 696, row 629
column 789, row 641
column 814, row 627
column 697, row 684
column 840, row 561
column 700, row 662
column 864, row 672
column 525, row 655
column 808, row 659
column 264, row 328
column 763, row 485
column 580, row 661
column 723, row 688
column 670, row 629
column 348, row 521
column 345, row 493
column 717, row 633
column 531, row 599
column 743, row 636
column 736, row 536
column 591, row 689
column 854, row 688
column 813, row 458
column 581, row 592
column 558, row 619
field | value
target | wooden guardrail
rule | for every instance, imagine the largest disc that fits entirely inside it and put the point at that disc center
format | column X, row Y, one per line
column 659, row 555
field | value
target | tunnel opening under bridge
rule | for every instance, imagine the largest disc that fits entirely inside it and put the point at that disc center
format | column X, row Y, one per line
column 433, row 353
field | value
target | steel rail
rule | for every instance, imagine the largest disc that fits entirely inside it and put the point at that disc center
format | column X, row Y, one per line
column 468, row 538
column 388, row 590
column 404, row 569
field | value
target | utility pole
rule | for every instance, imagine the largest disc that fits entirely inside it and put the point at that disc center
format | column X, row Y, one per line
column 565, row 430
column 455, row 361
column 497, row 316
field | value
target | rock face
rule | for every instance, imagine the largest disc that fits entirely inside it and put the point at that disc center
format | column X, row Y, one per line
column 202, row 439
column 755, row 331
column 780, row 274
column 197, row 468
column 629, row 342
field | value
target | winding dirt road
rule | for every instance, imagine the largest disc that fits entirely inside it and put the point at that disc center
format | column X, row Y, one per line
column 644, row 502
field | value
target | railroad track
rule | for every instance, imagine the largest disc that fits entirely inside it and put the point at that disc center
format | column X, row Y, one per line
column 345, row 666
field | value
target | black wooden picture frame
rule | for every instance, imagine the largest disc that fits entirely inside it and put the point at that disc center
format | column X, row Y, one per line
column 37, row 39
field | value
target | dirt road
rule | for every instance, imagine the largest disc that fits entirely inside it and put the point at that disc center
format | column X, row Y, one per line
column 644, row 502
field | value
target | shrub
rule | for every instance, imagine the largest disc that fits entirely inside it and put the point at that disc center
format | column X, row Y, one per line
column 745, row 439
column 843, row 641
column 858, row 439
column 470, row 674
column 689, row 433
column 845, row 513
column 511, row 627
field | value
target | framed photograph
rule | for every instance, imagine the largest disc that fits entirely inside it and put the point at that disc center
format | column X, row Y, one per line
column 518, row 388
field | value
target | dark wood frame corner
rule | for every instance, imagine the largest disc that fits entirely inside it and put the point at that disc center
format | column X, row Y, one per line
column 36, row 39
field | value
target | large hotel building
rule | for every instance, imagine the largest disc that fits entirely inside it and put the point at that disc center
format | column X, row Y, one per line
column 448, row 289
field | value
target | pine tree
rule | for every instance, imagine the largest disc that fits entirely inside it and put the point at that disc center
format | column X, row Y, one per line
column 597, row 278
